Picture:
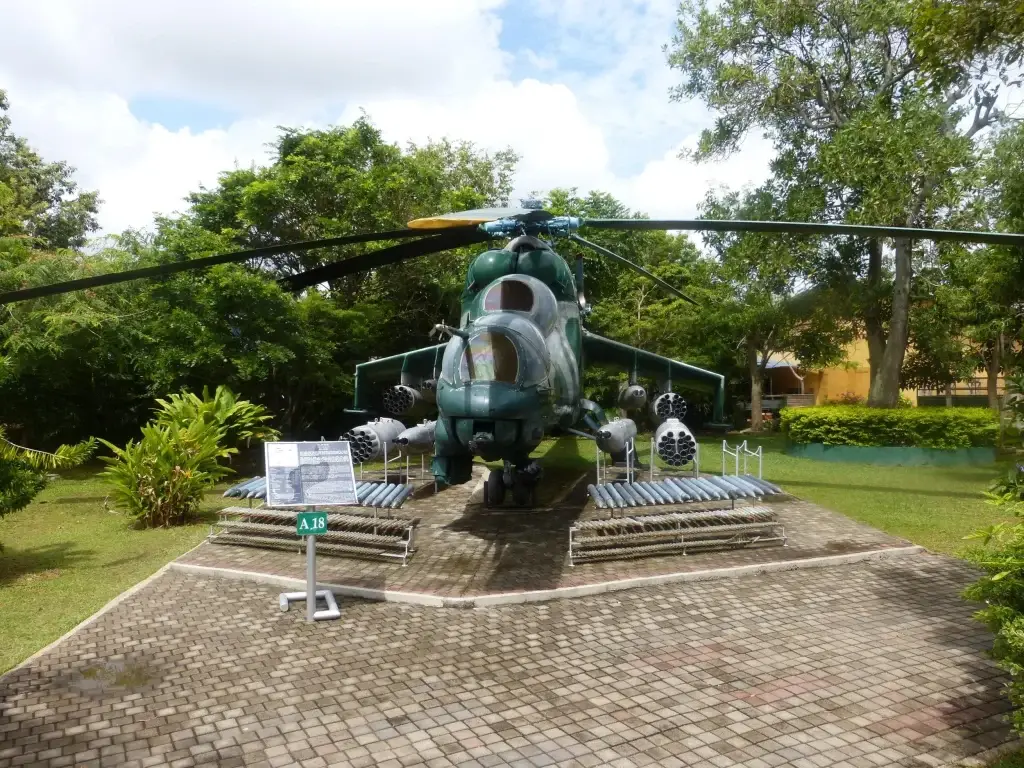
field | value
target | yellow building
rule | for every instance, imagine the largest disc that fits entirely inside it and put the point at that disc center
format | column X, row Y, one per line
column 787, row 383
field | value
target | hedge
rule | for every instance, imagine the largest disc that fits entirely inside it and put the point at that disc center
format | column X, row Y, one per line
column 922, row 427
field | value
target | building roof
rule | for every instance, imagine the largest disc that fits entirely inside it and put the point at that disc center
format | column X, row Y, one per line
column 781, row 364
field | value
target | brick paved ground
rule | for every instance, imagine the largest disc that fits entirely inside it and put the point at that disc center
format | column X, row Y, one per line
column 853, row 666
column 466, row 550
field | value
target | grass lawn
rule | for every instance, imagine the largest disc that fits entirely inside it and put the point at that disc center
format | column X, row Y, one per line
column 935, row 507
column 65, row 556
column 1015, row 760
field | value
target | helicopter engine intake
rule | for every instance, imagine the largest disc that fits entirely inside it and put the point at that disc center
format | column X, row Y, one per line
column 675, row 443
column 368, row 441
column 669, row 405
column 615, row 435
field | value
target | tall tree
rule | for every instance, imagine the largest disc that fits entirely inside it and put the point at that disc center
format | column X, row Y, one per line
column 628, row 307
column 92, row 362
column 952, row 34
column 838, row 88
column 40, row 200
column 763, row 299
column 343, row 180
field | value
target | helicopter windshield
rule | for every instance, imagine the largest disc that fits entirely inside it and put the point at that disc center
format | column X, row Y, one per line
column 490, row 356
column 510, row 294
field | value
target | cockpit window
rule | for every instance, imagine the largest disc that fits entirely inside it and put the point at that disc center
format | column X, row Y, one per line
column 490, row 357
column 513, row 295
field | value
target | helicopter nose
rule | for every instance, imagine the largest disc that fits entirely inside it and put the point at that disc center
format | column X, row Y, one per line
column 488, row 400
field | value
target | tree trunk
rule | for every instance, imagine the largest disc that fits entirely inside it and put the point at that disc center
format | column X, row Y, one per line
column 949, row 395
column 885, row 386
column 992, row 369
column 872, row 322
column 756, row 422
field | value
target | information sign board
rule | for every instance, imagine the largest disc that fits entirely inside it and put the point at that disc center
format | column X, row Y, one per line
column 310, row 474
column 311, row 523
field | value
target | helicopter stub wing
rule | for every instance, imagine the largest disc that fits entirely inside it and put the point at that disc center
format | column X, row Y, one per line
column 598, row 350
column 424, row 363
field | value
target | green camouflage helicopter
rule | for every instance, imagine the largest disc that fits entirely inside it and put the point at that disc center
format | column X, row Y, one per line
column 512, row 370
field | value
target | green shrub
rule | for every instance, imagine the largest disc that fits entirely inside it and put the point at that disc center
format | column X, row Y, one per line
column 921, row 427
column 1001, row 589
column 19, row 484
column 846, row 398
column 242, row 421
column 23, row 470
column 160, row 479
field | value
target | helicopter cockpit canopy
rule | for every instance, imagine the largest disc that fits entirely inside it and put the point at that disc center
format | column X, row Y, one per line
column 490, row 356
column 522, row 293
column 503, row 347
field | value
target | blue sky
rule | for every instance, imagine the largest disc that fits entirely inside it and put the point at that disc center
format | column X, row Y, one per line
column 175, row 114
column 149, row 101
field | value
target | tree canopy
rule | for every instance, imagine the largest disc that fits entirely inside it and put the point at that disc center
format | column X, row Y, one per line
column 862, row 136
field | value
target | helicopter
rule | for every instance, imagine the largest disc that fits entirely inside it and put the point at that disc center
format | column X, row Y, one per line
column 511, row 371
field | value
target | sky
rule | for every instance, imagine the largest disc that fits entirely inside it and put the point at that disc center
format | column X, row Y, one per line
column 151, row 100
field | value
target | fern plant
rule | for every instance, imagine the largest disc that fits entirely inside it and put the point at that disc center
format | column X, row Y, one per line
column 23, row 470
column 242, row 421
column 160, row 479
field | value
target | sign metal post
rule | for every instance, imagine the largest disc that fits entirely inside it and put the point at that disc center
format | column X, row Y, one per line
column 310, row 578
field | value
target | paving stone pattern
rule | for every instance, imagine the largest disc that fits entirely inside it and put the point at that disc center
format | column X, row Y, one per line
column 862, row 665
column 466, row 550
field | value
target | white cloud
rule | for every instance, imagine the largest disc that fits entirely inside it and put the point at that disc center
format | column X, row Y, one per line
column 421, row 70
column 247, row 54
column 560, row 147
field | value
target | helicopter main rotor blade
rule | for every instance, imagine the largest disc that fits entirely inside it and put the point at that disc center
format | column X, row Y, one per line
column 206, row 262
column 479, row 216
column 808, row 228
column 635, row 267
column 449, row 239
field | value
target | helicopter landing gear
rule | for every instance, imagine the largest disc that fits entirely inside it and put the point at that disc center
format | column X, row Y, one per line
column 524, row 486
column 494, row 488
column 521, row 481
column 523, row 495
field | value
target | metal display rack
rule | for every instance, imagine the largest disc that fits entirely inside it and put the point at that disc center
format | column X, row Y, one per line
column 708, row 524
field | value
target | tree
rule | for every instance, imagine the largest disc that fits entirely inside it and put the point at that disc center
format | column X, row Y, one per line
column 940, row 353
column 761, row 299
column 68, row 363
column 343, row 180
column 860, row 135
column 972, row 309
column 91, row 362
column 39, row 200
column 952, row 34
column 629, row 307
column 240, row 329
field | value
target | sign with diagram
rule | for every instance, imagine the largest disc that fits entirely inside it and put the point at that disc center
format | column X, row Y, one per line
column 310, row 474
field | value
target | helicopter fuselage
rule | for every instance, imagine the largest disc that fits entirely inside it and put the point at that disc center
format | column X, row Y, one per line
column 514, row 369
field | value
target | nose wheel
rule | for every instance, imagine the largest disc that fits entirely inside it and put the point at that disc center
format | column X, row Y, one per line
column 522, row 482
column 494, row 488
